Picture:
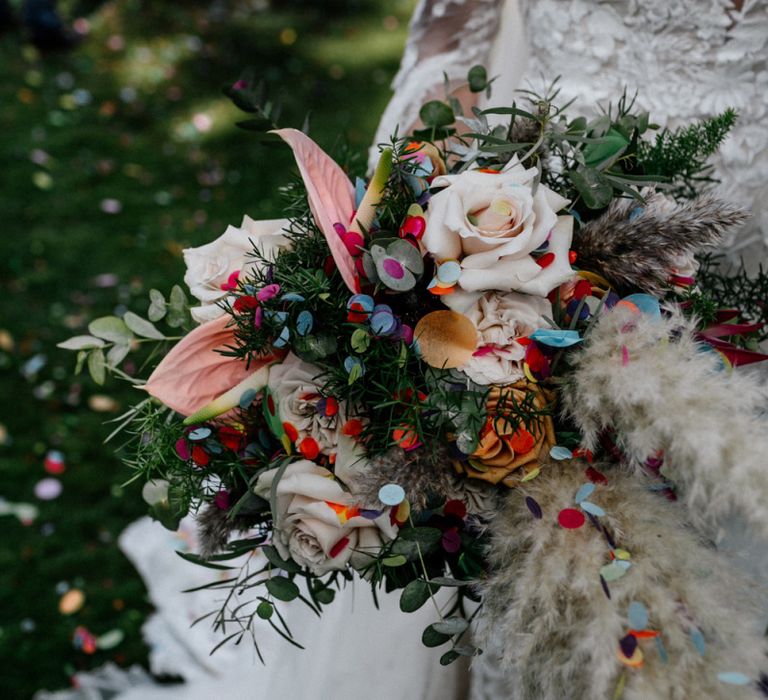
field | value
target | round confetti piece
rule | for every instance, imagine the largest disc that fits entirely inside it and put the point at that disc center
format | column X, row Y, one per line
column 622, row 554
column 71, row 601
column 309, row 448
column 559, row 452
column 182, row 449
column 698, row 640
column 393, row 268
column 449, row 272
column 584, row 492
column 48, row 489
column 595, row 476
column 628, row 644
column 451, row 541
column 534, row 507
column 391, row 494
column 570, row 518
column 109, row 640
column 592, row 509
column 446, row 339
column 634, row 661
column 54, row 462
column 638, row 615
column 304, row 323
column 531, row 475
column 734, row 678
column 199, row 434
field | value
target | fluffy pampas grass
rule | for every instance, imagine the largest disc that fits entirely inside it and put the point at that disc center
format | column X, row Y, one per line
column 557, row 630
column 661, row 391
column 636, row 246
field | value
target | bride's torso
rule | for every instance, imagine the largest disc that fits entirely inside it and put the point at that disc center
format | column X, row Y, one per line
column 687, row 60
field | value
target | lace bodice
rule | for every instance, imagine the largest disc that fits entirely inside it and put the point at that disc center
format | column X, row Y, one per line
column 688, row 59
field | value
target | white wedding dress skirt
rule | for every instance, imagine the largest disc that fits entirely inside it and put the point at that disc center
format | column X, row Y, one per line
column 354, row 651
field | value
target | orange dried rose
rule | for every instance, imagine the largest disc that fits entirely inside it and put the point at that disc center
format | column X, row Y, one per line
column 507, row 451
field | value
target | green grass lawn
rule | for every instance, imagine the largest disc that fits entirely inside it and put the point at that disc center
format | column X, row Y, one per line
column 112, row 159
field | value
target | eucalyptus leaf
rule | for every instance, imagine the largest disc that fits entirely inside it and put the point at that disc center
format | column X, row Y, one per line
column 430, row 637
column 141, row 326
column 477, row 78
column 414, row 595
column 449, row 657
column 283, row 588
column 110, row 328
column 265, row 610
column 157, row 306
column 436, row 114
column 81, row 342
column 97, row 366
column 451, row 626
column 325, row 596
column 594, row 189
column 117, row 353
column 276, row 560
column 178, row 308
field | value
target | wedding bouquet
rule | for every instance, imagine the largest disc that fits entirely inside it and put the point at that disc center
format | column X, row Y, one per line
column 490, row 368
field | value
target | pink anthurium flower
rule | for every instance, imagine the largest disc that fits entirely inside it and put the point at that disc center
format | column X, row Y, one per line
column 332, row 198
column 193, row 374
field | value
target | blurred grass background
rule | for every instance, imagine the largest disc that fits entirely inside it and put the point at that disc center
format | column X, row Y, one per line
column 113, row 158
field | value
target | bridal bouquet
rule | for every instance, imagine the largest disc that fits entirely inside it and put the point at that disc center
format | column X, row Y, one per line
column 489, row 368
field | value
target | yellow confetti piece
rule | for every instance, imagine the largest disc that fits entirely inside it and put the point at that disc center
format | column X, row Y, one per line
column 531, row 475
column 635, row 661
column 622, row 554
column 529, row 374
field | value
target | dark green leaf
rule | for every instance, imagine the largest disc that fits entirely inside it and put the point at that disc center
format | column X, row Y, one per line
column 594, row 189
column 196, row 559
column 451, row 625
column 446, row 581
column 283, row 588
column 436, row 114
column 325, row 596
column 477, row 78
column 448, row 658
column 414, row 595
column 432, row 638
column 276, row 560
column 265, row 610
column 613, row 144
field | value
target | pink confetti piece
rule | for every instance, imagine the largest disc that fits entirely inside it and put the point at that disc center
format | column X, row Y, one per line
column 624, row 356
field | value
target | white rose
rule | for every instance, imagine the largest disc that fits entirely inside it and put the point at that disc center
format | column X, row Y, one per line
column 210, row 265
column 296, row 392
column 501, row 319
column 312, row 532
column 492, row 223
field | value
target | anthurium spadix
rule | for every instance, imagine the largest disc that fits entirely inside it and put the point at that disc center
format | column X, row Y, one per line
column 366, row 212
column 229, row 399
column 332, row 197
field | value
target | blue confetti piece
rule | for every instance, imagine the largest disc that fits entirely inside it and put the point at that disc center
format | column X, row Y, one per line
column 351, row 362
column 698, row 640
column 638, row 616
column 370, row 514
column 555, row 338
column 559, row 452
column 592, row 509
column 304, row 323
column 734, row 678
column 249, row 289
column 662, row 650
column 199, row 434
column 584, row 492
column 359, row 191
column 648, row 304
column 365, row 301
column 247, row 397
column 383, row 322
column 636, row 213
column 622, row 564
column 291, row 296
column 282, row 339
column 391, row 494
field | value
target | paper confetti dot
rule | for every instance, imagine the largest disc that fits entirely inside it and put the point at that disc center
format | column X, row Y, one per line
column 584, row 492
column 592, row 509
column 570, row 518
column 534, row 507
column 559, row 452
column 71, row 601
column 638, row 615
column 199, row 434
column 109, row 640
column 698, row 640
column 48, row 489
column 612, row 571
column 54, row 462
column 734, row 678
column 391, row 494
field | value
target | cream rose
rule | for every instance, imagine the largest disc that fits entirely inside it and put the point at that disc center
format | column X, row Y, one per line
column 501, row 319
column 296, row 391
column 209, row 266
column 492, row 223
column 312, row 532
